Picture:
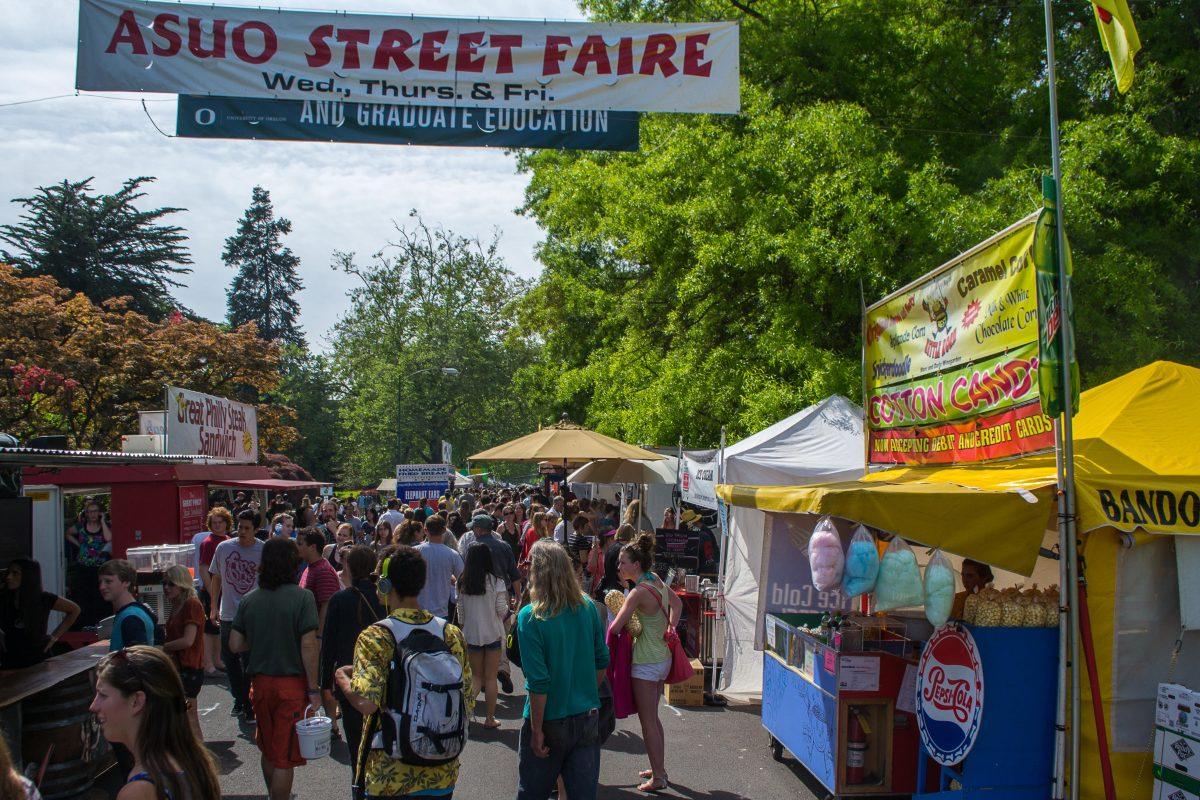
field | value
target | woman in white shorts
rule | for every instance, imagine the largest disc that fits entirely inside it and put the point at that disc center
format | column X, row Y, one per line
column 658, row 608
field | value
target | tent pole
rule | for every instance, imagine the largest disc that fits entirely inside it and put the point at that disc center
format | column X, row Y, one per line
column 1066, row 452
column 723, row 519
column 677, row 495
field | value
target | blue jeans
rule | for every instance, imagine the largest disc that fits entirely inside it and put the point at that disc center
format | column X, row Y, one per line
column 574, row 744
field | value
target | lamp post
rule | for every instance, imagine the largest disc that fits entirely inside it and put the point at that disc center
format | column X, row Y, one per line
column 448, row 371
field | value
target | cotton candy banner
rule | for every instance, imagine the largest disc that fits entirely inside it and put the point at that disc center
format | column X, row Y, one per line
column 179, row 48
column 952, row 360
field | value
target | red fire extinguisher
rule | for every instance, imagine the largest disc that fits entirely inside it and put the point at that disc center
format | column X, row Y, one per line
column 856, row 749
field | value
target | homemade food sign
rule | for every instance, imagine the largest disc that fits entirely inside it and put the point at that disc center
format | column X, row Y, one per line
column 951, row 362
column 303, row 55
column 415, row 482
column 203, row 425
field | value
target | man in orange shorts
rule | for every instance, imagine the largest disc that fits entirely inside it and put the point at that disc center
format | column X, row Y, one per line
column 276, row 624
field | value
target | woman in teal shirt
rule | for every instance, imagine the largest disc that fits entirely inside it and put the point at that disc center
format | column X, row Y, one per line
column 659, row 609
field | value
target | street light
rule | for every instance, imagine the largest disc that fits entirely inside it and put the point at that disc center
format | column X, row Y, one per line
column 451, row 372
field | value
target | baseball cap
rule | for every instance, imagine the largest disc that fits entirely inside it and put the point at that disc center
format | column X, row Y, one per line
column 481, row 521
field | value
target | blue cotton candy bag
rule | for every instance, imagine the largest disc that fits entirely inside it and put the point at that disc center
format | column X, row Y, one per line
column 939, row 589
column 862, row 563
column 899, row 583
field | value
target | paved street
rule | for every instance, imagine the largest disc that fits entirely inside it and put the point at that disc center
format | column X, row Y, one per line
column 711, row 755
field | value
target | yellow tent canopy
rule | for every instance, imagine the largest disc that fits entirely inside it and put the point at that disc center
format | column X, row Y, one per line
column 564, row 442
column 1136, row 466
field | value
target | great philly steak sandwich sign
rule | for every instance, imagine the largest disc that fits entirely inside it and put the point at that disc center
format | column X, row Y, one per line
column 302, row 55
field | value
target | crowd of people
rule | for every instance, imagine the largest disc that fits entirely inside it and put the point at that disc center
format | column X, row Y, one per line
column 392, row 622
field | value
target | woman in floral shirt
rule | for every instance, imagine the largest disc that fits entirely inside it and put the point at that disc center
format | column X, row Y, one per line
column 364, row 685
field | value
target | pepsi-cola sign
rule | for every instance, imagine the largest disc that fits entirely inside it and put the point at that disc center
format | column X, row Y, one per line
column 949, row 695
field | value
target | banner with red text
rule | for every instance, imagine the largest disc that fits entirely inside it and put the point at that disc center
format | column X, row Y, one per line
column 203, row 425
column 179, row 48
column 951, row 361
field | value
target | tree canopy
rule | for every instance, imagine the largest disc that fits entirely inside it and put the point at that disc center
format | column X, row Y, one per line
column 100, row 244
column 71, row 366
column 431, row 299
column 263, row 290
column 717, row 276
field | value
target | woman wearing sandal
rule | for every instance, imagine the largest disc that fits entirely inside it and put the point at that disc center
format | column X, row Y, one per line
column 482, row 611
column 659, row 609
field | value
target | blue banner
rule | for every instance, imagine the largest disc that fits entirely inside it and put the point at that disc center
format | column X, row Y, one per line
column 380, row 123
column 413, row 493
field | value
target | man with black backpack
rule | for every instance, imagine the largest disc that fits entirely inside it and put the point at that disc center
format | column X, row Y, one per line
column 133, row 622
column 411, row 681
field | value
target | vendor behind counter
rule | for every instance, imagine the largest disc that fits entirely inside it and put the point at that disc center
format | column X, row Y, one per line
column 975, row 578
column 24, row 613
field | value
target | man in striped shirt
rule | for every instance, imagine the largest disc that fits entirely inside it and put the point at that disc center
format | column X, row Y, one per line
column 320, row 578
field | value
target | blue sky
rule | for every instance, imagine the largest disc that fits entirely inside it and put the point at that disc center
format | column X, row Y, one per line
column 338, row 196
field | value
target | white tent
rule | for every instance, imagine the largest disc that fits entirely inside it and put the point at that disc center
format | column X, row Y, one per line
column 822, row 443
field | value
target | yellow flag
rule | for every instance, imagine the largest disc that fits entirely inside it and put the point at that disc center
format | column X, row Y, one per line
column 1120, row 38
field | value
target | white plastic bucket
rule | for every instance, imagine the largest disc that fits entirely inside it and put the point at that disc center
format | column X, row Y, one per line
column 314, row 734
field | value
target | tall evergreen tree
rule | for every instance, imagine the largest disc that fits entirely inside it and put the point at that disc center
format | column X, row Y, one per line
column 264, row 289
column 100, row 244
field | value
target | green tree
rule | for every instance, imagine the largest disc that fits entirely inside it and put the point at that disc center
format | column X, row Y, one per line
column 100, row 244
column 430, row 300
column 716, row 277
column 310, row 389
column 264, row 289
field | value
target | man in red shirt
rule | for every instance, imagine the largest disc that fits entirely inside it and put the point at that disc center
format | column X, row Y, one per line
column 220, row 524
column 320, row 578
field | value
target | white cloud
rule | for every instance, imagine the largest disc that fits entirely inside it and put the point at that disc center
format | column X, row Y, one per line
column 338, row 196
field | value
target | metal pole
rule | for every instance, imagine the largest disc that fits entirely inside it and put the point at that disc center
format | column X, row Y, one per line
column 677, row 495
column 723, row 520
column 1066, row 458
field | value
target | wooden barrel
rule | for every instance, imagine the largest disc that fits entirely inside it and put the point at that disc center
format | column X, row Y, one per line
column 59, row 718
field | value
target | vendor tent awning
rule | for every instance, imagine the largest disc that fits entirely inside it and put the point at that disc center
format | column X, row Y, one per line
column 1135, row 467
column 274, row 484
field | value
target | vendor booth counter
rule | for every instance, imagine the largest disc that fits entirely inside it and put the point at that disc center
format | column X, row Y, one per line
column 845, row 705
column 45, row 718
column 1013, row 754
column 837, row 703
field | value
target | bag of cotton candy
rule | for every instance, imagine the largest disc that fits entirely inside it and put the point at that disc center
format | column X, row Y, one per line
column 862, row 563
column 825, row 557
column 899, row 583
column 939, row 589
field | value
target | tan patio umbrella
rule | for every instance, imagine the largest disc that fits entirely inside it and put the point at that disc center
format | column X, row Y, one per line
column 564, row 442
column 623, row 470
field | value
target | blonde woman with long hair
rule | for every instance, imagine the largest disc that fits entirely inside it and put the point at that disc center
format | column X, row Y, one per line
column 564, row 656
column 184, row 639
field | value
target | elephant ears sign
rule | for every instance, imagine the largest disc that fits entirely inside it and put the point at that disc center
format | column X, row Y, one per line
column 949, row 695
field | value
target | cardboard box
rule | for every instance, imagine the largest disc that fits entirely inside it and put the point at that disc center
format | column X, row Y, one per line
column 1177, row 708
column 689, row 692
column 1178, row 752
column 1165, row 791
column 1170, row 785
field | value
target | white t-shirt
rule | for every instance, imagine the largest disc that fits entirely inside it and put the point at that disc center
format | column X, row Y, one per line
column 238, row 568
column 392, row 517
column 197, row 540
